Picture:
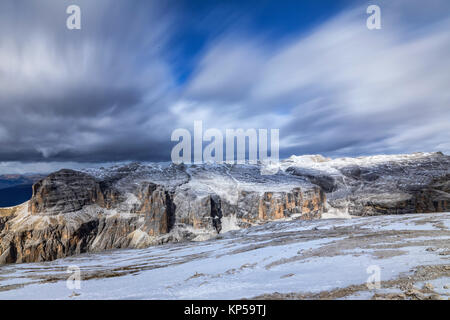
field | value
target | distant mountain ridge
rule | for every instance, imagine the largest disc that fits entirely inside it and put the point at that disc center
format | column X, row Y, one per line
column 11, row 180
column 16, row 188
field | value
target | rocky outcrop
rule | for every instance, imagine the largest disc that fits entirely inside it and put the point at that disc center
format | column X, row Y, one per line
column 398, row 184
column 65, row 191
column 159, row 212
column 253, row 207
column 137, row 205
column 72, row 212
column 43, row 239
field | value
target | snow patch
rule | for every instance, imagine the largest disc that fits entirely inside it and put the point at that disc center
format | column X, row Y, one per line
column 229, row 223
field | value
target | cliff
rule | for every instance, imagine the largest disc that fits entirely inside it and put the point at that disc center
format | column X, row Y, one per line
column 137, row 205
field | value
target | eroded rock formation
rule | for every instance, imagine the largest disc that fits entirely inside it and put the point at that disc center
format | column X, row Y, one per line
column 416, row 183
column 72, row 212
column 137, row 205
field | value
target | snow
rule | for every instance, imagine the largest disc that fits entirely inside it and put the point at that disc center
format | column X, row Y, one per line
column 285, row 256
column 282, row 256
column 335, row 213
column 331, row 166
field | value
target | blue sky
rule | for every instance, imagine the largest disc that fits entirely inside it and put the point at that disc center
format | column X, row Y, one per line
column 137, row 70
column 203, row 21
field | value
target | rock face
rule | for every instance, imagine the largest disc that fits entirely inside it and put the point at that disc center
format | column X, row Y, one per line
column 160, row 212
column 32, row 239
column 138, row 205
column 376, row 185
column 65, row 191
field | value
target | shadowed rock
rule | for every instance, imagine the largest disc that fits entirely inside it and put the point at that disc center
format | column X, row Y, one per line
column 65, row 191
column 137, row 205
column 376, row 185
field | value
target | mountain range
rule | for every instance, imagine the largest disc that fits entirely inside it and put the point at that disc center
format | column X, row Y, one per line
column 140, row 205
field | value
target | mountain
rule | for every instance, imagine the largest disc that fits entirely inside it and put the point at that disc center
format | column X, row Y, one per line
column 139, row 205
column 11, row 180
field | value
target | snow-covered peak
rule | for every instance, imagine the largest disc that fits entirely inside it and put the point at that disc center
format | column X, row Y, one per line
column 331, row 166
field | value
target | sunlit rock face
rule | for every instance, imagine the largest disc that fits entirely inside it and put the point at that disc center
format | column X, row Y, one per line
column 137, row 205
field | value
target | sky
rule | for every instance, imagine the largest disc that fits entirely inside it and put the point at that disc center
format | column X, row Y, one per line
column 115, row 90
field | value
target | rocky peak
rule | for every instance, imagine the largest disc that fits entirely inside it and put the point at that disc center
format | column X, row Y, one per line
column 138, row 205
column 64, row 191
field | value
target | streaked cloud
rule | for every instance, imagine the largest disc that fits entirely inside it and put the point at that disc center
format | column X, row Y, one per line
column 111, row 91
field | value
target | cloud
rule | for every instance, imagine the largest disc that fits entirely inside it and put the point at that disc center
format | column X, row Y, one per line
column 110, row 92
column 341, row 89
column 90, row 95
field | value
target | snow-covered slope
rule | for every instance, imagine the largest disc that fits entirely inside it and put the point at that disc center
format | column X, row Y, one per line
column 384, row 184
column 292, row 259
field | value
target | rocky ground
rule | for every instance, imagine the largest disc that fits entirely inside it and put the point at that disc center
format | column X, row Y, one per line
column 138, row 205
column 319, row 259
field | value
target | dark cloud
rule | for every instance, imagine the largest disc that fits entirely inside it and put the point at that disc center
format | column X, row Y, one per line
column 111, row 92
column 84, row 95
